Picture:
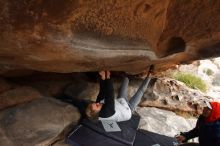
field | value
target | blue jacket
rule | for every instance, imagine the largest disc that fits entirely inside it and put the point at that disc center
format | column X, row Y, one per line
column 208, row 133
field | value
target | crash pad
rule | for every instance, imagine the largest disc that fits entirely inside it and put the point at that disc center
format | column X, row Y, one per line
column 92, row 132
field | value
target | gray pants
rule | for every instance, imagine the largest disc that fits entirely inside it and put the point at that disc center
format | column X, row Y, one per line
column 135, row 100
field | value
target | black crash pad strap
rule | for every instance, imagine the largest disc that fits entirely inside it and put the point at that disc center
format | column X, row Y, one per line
column 148, row 138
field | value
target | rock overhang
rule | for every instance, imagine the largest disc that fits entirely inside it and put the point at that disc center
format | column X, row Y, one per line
column 80, row 36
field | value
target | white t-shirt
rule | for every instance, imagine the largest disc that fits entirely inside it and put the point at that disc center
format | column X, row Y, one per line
column 122, row 111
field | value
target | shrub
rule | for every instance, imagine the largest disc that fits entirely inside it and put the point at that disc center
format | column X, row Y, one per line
column 191, row 81
column 208, row 71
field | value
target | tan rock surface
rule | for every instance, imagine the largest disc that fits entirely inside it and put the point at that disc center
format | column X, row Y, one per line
column 17, row 96
column 76, row 36
column 48, row 84
column 173, row 95
column 37, row 123
column 164, row 122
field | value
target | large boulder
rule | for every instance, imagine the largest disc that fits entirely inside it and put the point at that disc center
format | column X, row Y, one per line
column 17, row 96
column 40, row 122
column 76, row 36
column 170, row 94
column 164, row 122
column 48, row 84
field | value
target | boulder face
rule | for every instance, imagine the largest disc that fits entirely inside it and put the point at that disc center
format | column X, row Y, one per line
column 153, row 118
column 41, row 122
column 173, row 95
column 78, row 36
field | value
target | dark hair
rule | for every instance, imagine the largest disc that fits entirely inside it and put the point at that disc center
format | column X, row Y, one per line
column 89, row 113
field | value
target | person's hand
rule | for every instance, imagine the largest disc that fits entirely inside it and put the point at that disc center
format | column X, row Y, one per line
column 180, row 138
column 105, row 74
column 102, row 74
column 108, row 74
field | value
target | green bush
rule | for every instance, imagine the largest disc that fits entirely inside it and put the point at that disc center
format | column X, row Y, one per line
column 191, row 81
column 208, row 71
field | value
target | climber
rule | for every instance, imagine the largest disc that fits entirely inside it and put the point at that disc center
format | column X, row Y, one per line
column 106, row 107
column 207, row 126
